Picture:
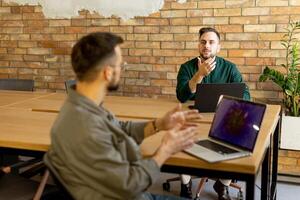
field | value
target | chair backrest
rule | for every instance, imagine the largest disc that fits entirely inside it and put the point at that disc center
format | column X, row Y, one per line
column 17, row 84
column 63, row 191
column 69, row 83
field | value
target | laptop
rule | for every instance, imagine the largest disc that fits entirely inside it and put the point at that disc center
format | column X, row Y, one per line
column 207, row 94
column 233, row 132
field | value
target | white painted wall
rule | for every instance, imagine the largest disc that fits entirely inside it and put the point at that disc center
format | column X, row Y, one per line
column 123, row 8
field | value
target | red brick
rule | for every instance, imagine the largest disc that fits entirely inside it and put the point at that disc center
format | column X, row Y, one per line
column 152, row 45
column 174, row 29
column 27, row 16
column 186, row 21
column 98, row 29
column 260, row 61
column 172, row 45
column 186, row 5
column 137, row 37
column 132, row 59
column 227, row 12
column 9, row 43
column 160, row 82
column 121, row 29
column 175, row 60
column 244, row 20
column 75, row 29
column 153, row 75
column 104, row 22
column 133, row 22
column 164, row 68
column 36, row 23
column 186, row 37
column 153, row 21
column 242, row 53
column 188, row 53
column 15, row 51
column 173, row 13
column 200, row 13
column 146, row 29
column 211, row 4
column 37, row 58
column 64, row 37
column 140, row 52
column 161, row 37
column 229, row 28
column 164, row 52
column 20, row 37
column 237, row 61
column 152, row 60
column 255, row 45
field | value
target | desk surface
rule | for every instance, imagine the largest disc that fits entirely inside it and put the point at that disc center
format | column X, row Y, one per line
column 124, row 107
column 10, row 98
column 24, row 129
column 249, row 165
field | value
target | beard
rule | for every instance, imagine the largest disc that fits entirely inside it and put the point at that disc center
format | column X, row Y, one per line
column 114, row 84
column 113, row 87
column 205, row 57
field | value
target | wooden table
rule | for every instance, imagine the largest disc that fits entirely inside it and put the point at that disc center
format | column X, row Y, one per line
column 122, row 107
column 245, row 169
column 10, row 98
column 23, row 129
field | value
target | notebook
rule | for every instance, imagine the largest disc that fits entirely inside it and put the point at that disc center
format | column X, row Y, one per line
column 207, row 94
column 233, row 132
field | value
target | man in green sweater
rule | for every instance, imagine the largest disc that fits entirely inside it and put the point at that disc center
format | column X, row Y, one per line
column 206, row 68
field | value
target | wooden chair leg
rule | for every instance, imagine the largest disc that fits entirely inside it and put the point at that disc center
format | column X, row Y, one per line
column 41, row 187
column 201, row 186
column 234, row 185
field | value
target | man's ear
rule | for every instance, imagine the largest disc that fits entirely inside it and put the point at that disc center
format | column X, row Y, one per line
column 108, row 73
column 219, row 48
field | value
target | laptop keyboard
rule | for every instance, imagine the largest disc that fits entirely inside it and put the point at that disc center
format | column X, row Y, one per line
column 216, row 147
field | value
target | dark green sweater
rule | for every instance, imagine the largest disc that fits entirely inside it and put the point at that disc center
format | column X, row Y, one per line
column 225, row 72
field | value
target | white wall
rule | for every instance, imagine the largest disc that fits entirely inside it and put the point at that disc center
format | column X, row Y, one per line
column 123, row 8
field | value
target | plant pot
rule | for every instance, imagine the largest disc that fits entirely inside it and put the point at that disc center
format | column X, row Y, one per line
column 290, row 133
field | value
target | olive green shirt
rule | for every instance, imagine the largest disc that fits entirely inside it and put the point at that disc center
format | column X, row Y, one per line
column 225, row 72
column 95, row 156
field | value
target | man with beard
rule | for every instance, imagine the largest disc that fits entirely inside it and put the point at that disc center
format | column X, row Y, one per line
column 206, row 68
column 94, row 155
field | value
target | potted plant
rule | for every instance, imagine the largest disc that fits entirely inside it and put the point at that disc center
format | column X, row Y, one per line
column 289, row 82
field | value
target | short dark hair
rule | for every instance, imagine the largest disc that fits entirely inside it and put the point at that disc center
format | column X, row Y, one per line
column 208, row 29
column 92, row 50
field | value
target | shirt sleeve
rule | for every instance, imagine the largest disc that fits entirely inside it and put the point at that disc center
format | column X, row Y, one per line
column 237, row 78
column 183, row 91
column 134, row 130
column 106, row 167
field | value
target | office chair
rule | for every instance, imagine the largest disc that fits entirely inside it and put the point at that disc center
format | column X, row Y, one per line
column 233, row 184
column 167, row 187
column 69, row 83
column 60, row 193
column 17, row 84
column 17, row 187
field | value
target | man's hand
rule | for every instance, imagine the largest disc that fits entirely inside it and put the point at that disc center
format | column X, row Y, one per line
column 204, row 69
column 177, row 117
column 174, row 140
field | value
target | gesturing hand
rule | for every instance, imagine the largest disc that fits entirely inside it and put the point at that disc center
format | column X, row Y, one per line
column 177, row 116
column 206, row 67
column 175, row 140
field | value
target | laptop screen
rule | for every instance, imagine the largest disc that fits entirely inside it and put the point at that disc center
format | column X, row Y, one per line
column 237, row 122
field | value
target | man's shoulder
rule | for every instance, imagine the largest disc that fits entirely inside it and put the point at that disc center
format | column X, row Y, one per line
column 190, row 62
column 223, row 61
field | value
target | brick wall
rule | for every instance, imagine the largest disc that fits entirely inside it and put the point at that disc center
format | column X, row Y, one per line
column 32, row 46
